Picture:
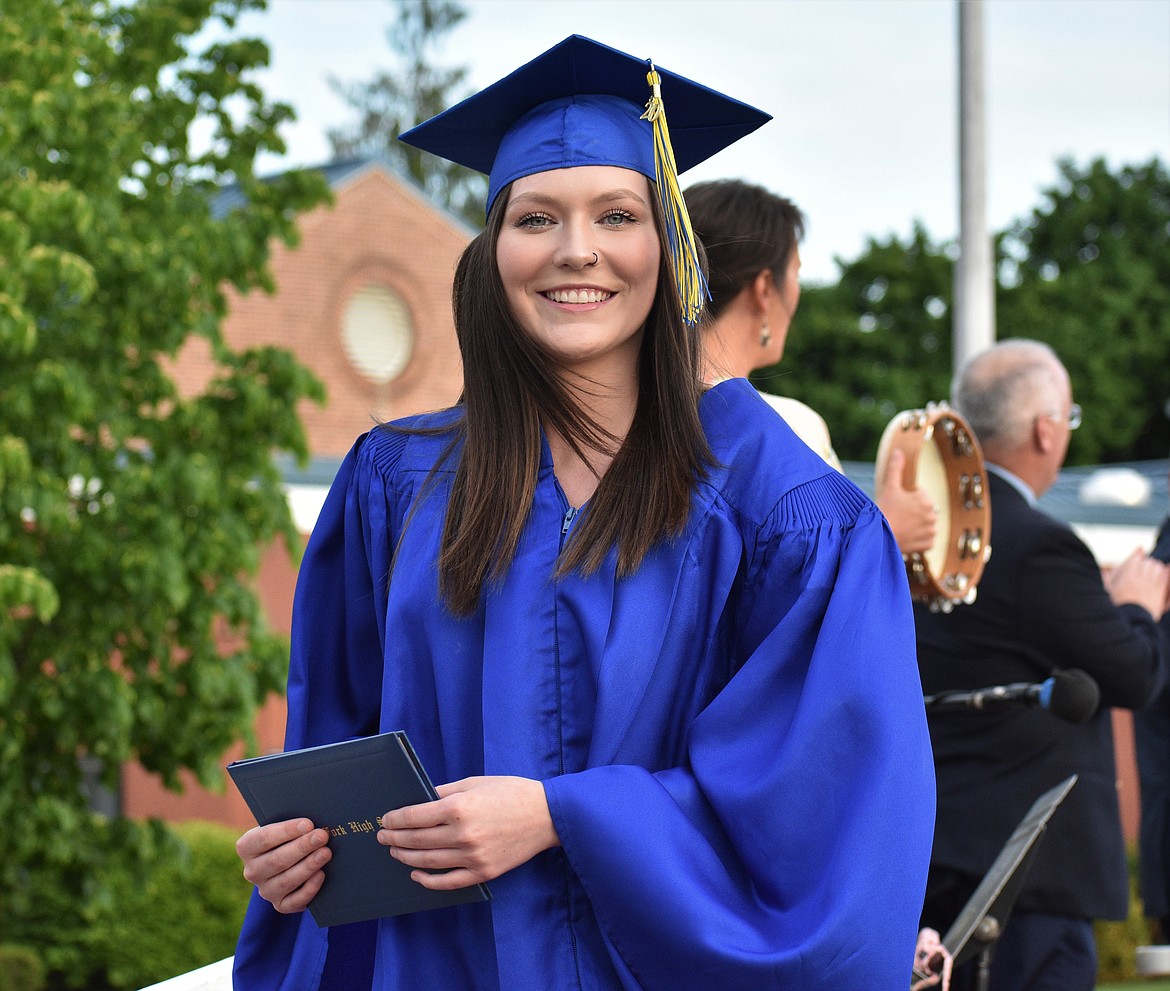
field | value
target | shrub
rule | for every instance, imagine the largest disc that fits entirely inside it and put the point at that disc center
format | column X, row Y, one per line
column 174, row 909
column 20, row 969
column 186, row 915
column 1117, row 941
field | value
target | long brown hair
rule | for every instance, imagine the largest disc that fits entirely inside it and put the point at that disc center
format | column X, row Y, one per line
column 511, row 388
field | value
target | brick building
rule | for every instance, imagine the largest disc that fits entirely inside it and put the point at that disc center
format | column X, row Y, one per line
column 364, row 301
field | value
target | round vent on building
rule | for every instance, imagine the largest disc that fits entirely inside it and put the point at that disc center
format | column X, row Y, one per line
column 377, row 334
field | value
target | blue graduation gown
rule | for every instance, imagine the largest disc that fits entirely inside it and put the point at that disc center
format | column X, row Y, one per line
column 732, row 740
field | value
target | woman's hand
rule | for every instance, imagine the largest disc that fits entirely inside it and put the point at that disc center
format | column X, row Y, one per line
column 911, row 513
column 478, row 829
column 932, row 959
column 284, row 860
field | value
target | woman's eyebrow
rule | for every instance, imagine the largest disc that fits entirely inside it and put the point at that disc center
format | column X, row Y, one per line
column 536, row 198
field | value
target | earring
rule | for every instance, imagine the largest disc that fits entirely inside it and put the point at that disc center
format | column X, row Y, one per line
column 765, row 335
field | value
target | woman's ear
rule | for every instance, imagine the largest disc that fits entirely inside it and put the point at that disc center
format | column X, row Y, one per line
column 762, row 288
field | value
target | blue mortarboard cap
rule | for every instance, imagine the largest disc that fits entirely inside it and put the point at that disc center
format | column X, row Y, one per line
column 574, row 130
column 584, row 103
column 591, row 99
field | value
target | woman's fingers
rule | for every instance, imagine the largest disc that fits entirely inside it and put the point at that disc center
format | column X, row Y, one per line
column 284, row 861
column 447, row 880
column 429, row 860
column 261, row 840
column 483, row 825
column 296, row 900
column 424, row 816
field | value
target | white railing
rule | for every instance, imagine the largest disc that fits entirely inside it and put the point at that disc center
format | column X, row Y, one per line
column 214, row 977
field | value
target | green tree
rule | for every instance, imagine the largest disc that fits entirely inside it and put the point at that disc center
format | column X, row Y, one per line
column 1088, row 272
column 876, row 342
column 132, row 516
column 395, row 101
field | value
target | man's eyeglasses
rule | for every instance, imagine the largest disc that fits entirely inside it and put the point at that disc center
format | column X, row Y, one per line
column 1074, row 416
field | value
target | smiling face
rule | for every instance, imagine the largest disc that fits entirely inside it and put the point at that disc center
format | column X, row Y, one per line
column 578, row 255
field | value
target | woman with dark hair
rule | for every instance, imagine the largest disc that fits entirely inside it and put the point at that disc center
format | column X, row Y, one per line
column 752, row 238
column 663, row 660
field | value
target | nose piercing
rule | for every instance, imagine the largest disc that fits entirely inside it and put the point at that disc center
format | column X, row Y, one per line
column 595, row 259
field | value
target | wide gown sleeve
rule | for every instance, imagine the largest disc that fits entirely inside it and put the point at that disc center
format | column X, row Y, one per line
column 334, row 692
column 791, row 850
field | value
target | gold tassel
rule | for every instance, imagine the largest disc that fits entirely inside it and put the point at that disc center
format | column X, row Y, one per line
column 692, row 284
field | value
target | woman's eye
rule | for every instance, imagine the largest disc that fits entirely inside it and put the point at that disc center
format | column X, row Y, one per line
column 534, row 220
column 617, row 218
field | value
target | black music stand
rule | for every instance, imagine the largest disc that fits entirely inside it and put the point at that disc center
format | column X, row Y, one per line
column 983, row 918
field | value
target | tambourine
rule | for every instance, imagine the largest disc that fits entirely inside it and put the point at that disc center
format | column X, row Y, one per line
column 943, row 457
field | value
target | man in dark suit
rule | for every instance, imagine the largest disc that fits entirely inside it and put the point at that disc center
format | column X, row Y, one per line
column 1042, row 606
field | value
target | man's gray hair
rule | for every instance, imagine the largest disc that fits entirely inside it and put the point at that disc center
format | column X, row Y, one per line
column 1002, row 390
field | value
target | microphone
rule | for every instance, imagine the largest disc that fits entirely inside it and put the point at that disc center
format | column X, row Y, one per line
column 1072, row 695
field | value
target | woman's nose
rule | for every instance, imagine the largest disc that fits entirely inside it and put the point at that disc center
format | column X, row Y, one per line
column 575, row 250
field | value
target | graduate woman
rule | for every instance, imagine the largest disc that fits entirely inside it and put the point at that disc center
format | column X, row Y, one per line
column 660, row 652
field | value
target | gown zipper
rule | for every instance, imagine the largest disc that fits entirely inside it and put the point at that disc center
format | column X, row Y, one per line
column 570, row 514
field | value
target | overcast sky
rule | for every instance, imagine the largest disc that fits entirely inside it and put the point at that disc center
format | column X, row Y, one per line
column 863, row 92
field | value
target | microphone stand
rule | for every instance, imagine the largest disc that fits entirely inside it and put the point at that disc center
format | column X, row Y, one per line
column 1069, row 694
column 981, row 922
column 976, row 700
column 988, row 932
